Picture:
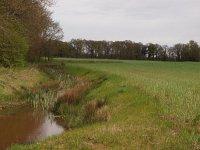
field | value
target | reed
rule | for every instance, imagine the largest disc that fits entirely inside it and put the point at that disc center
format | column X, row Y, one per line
column 42, row 99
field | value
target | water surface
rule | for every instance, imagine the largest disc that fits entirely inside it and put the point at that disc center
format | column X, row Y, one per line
column 24, row 125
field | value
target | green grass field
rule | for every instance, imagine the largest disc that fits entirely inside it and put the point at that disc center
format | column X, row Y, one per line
column 175, row 85
column 154, row 105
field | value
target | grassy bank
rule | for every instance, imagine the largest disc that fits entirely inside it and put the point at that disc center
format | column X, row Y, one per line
column 154, row 105
column 14, row 81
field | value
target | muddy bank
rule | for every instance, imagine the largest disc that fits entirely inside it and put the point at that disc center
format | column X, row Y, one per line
column 11, row 105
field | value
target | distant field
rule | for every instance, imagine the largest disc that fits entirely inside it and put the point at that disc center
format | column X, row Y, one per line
column 154, row 105
column 175, row 85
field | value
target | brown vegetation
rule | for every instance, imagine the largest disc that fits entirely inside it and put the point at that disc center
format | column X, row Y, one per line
column 50, row 85
column 73, row 94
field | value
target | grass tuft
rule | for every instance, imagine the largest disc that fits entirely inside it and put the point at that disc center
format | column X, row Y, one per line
column 95, row 111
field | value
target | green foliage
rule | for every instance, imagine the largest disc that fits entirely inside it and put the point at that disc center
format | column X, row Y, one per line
column 13, row 44
column 26, row 27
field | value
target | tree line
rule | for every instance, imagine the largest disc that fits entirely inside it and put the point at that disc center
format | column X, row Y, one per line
column 26, row 30
column 128, row 50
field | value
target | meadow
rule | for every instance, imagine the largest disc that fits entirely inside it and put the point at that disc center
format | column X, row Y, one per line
column 175, row 85
column 153, row 105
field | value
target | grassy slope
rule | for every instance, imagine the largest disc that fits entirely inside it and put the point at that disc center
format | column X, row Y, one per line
column 153, row 105
column 12, row 81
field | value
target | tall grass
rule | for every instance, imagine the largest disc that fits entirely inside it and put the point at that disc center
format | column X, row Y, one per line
column 14, row 81
column 42, row 99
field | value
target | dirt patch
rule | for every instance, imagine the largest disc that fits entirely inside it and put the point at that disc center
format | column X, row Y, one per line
column 95, row 146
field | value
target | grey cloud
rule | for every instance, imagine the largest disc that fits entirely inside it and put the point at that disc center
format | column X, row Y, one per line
column 160, row 21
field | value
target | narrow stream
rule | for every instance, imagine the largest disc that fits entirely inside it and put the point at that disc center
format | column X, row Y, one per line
column 23, row 125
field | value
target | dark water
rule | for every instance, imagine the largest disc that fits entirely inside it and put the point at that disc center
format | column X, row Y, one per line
column 23, row 125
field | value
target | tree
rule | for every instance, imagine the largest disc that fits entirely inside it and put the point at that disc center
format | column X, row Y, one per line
column 13, row 47
column 30, row 26
column 52, row 34
column 78, row 46
column 151, row 51
column 178, row 50
column 13, row 43
column 194, row 51
column 129, row 50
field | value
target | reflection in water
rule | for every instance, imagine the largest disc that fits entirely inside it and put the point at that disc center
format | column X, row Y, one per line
column 26, row 126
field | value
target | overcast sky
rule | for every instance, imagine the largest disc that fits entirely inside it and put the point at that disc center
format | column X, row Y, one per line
column 157, row 21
